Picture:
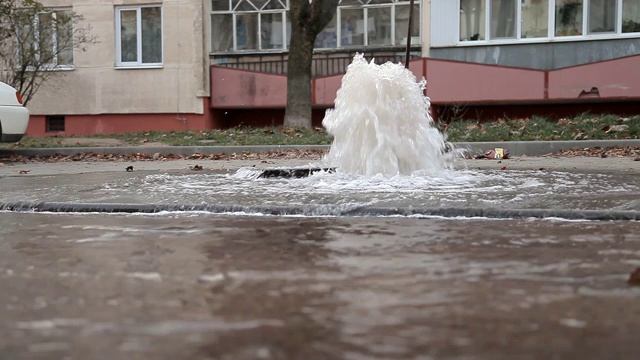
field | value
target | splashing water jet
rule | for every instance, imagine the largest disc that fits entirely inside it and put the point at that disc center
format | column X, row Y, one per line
column 381, row 123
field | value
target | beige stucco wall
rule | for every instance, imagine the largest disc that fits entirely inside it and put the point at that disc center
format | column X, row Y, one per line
column 426, row 27
column 96, row 86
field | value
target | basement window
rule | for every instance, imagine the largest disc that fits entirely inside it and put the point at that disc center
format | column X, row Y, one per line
column 54, row 123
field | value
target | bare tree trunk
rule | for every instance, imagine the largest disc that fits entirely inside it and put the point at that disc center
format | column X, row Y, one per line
column 307, row 21
column 298, row 113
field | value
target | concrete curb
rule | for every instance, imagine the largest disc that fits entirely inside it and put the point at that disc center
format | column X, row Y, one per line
column 363, row 211
column 516, row 148
column 537, row 148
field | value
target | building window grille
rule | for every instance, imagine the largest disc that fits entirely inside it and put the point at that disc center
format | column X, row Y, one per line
column 264, row 25
column 54, row 123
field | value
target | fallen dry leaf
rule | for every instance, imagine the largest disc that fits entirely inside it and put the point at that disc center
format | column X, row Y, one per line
column 609, row 151
column 287, row 131
column 634, row 278
column 617, row 128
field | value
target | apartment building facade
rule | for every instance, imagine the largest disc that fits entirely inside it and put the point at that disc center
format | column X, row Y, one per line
column 222, row 63
column 548, row 57
column 147, row 71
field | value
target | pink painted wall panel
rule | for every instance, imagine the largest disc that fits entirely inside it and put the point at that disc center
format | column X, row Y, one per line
column 233, row 88
column 79, row 125
column 325, row 89
column 417, row 68
column 617, row 78
column 449, row 81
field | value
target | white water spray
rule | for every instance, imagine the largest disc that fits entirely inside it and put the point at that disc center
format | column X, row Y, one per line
column 381, row 123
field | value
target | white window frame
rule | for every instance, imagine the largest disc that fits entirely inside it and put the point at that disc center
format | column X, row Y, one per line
column 364, row 5
column 54, row 41
column 137, row 64
column 551, row 37
column 235, row 13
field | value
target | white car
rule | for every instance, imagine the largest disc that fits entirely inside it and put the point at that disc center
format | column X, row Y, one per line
column 14, row 117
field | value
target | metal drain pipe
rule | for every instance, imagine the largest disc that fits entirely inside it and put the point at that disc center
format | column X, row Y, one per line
column 408, row 50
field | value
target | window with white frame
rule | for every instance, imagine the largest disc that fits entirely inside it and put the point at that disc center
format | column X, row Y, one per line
column 49, row 39
column 631, row 16
column 538, row 19
column 263, row 25
column 238, row 25
column 139, row 36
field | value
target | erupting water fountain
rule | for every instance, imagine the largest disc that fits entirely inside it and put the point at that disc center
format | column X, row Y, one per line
column 387, row 158
column 381, row 123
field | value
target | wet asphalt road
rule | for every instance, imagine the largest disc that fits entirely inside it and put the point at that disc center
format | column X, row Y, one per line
column 533, row 183
column 202, row 286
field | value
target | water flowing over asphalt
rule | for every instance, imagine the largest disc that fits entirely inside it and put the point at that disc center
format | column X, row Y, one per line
column 337, row 193
column 202, row 286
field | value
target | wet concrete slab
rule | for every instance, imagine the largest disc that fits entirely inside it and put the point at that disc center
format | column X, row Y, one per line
column 575, row 164
column 199, row 286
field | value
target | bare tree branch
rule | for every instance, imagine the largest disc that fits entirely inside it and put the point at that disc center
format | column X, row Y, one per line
column 36, row 41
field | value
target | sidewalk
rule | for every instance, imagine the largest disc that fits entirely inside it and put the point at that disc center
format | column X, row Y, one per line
column 523, row 156
column 571, row 164
column 516, row 148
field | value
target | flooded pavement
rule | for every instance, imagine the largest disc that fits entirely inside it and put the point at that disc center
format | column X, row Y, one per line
column 205, row 286
column 202, row 286
column 330, row 193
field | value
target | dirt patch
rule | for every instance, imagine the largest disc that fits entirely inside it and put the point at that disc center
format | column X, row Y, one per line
column 104, row 142
column 152, row 144
column 75, row 141
column 603, row 152
column 95, row 157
